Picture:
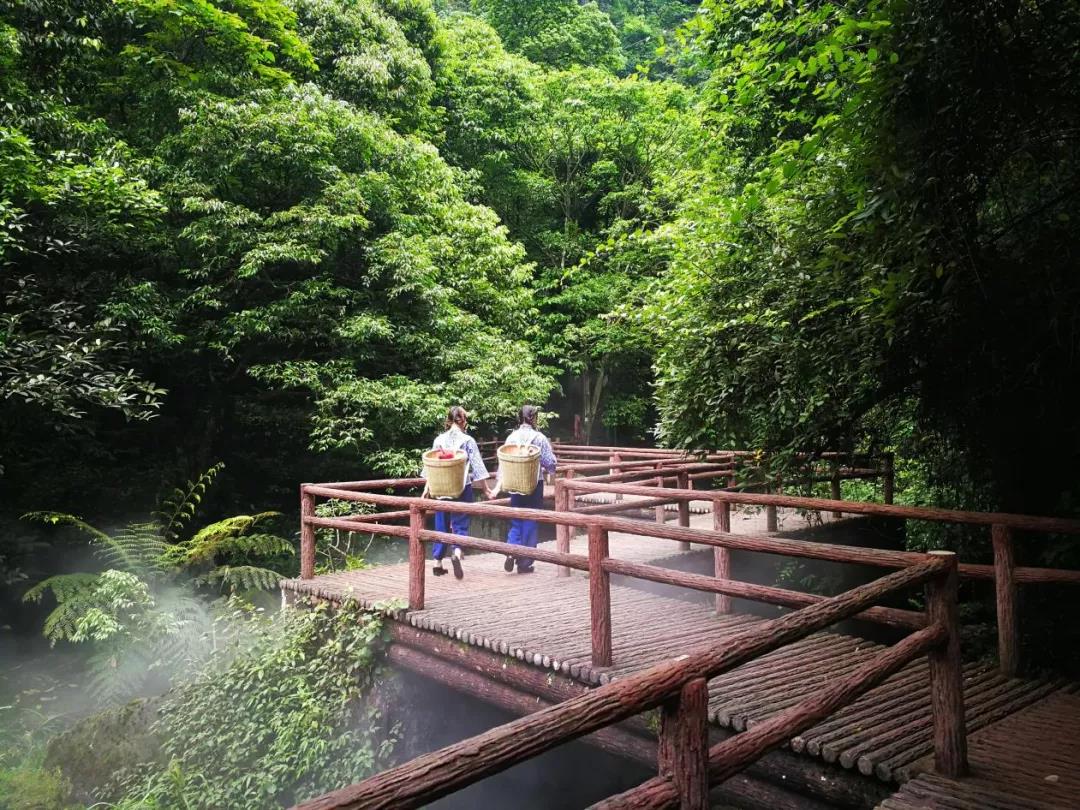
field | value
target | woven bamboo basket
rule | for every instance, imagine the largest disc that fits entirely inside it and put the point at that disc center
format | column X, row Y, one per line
column 446, row 477
column 520, row 467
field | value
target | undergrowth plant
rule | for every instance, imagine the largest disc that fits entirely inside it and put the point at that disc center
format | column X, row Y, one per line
column 147, row 611
column 289, row 717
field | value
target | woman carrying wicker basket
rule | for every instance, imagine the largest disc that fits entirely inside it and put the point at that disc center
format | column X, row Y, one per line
column 524, row 532
column 454, row 439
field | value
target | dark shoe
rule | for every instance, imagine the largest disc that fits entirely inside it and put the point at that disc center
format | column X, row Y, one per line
column 438, row 570
column 508, row 565
column 455, row 561
column 526, row 570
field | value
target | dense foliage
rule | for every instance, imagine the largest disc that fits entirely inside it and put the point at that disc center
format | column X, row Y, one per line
column 281, row 722
column 148, row 612
column 881, row 249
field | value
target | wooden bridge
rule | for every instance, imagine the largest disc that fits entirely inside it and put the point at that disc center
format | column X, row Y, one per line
column 766, row 713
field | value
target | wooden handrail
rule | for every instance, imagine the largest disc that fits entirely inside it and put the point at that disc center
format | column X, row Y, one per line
column 662, row 467
column 741, row 542
column 1032, row 523
column 734, row 754
column 439, row 773
column 1006, row 575
column 760, row 593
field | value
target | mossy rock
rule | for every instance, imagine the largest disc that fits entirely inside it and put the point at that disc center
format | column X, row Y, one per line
column 93, row 752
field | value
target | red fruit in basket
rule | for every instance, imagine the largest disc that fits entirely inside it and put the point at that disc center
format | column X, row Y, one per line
column 445, row 455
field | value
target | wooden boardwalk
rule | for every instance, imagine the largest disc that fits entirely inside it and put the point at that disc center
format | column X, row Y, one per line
column 544, row 621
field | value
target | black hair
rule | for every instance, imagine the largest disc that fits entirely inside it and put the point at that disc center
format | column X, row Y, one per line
column 456, row 416
column 527, row 415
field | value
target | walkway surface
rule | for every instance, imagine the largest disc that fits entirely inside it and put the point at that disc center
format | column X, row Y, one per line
column 544, row 620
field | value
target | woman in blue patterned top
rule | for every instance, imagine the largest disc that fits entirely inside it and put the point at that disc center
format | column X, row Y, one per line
column 524, row 532
column 455, row 438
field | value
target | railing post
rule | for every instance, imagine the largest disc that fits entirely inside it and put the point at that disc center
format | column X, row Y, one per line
column 562, row 530
column 599, row 597
column 683, row 752
column 836, row 493
column 571, row 500
column 1005, row 588
column 888, row 478
column 722, row 556
column 770, row 514
column 616, row 460
column 946, row 676
column 659, row 511
column 683, row 482
column 307, row 534
column 416, row 558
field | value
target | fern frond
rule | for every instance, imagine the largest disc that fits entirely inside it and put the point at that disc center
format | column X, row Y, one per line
column 63, row 587
column 92, row 606
column 74, row 595
column 64, row 519
column 118, row 673
column 228, row 536
column 181, row 504
column 138, row 547
column 257, row 545
column 240, row 578
column 135, row 548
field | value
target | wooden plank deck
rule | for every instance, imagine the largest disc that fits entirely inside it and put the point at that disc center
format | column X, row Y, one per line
column 544, row 621
column 1027, row 761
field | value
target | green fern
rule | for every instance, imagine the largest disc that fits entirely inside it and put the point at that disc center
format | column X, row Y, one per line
column 228, row 536
column 144, row 612
column 181, row 504
column 136, row 548
column 74, row 594
column 241, row 578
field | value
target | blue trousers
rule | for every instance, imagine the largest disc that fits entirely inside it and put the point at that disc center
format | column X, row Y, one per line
column 452, row 522
column 524, row 532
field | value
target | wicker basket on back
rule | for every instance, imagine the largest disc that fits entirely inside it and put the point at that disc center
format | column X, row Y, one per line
column 446, row 477
column 519, row 465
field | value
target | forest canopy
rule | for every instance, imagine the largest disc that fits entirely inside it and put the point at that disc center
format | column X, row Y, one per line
column 287, row 234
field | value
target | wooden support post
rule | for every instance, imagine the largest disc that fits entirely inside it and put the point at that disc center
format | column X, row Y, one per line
column 683, row 482
column 722, row 556
column 599, row 597
column 684, row 744
column 562, row 531
column 416, row 559
column 836, row 493
column 307, row 534
column 1005, row 587
column 616, row 460
column 660, row 513
column 770, row 514
column 946, row 677
column 888, row 478
column 571, row 502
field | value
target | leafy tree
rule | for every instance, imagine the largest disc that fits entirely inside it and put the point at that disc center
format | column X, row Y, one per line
column 557, row 33
column 376, row 55
column 599, row 151
column 273, row 254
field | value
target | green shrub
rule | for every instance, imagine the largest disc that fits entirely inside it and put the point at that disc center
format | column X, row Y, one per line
column 286, row 719
column 29, row 788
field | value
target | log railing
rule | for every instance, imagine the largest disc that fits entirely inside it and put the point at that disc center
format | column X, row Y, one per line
column 658, row 479
column 687, row 766
column 1005, row 573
